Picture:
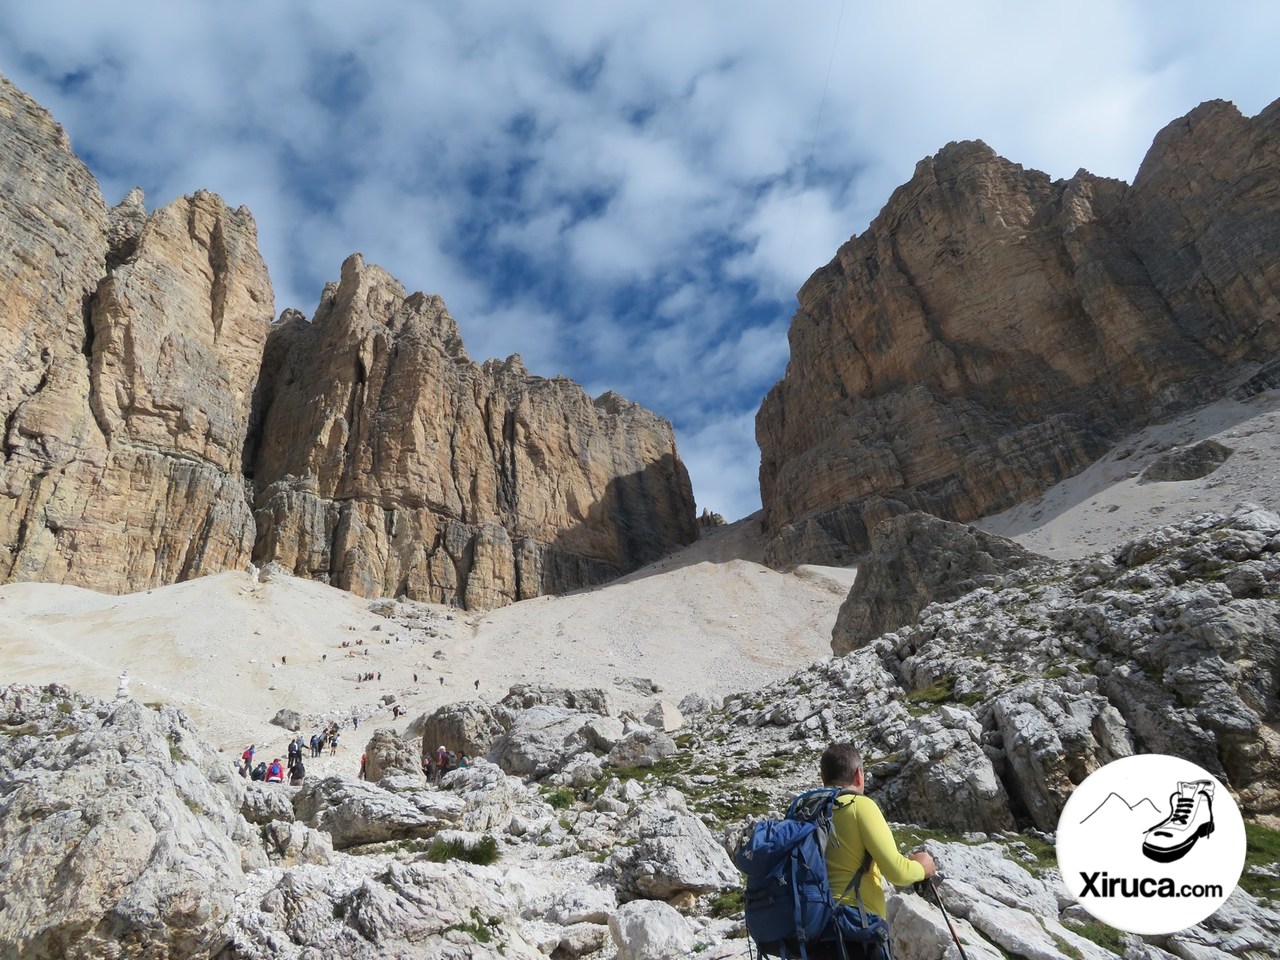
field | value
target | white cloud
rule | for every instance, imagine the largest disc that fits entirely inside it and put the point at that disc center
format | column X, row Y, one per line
column 620, row 192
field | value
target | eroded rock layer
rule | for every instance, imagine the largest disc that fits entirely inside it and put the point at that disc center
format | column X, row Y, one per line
column 129, row 348
column 993, row 331
column 391, row 463
column 153, row 433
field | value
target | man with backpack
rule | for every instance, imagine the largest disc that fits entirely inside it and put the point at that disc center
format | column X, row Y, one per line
column 859, row 830
column 813, row 877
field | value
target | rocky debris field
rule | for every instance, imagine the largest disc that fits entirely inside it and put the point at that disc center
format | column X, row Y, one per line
column 599, row 833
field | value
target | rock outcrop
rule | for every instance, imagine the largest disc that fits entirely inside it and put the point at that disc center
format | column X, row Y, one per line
column 390, row 463
column 120, row 830
column 157, row 426
column 994, row 331
column 916, row 560
column 130, row 349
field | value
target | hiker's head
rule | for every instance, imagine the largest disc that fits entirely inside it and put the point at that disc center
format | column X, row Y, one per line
column 841, row 765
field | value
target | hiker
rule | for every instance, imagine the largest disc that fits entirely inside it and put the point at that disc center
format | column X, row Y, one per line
column 364, row 765
column 463, row 761
column 260, row 771
column 333, row 743
column 247, row 757
column 442, row 681
column 297, row 772
column 477, row 684
column 283, row 661
column 415, row 678
column 355, row 722
column 429, row 768
column 275, row 772
column 859, row 832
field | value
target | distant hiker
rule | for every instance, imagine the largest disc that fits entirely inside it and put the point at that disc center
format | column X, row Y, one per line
column 477, row 684
column 364, row 765
column 355, row 722
column 260, row 771
column 324, row 657
column 333, row 743
column 428, row 768
column 379, row 676
column 463, row 761
column 415, row 678
column 442, row 681
column 247, row 757
column 275, row 772
column 296, row 773
column 283, row 661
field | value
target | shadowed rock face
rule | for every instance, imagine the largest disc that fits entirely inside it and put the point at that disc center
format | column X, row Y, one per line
column 153, row 432
column 391, row 463
column 994, row 331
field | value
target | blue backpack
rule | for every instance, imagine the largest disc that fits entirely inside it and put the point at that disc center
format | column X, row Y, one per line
column 790, row 909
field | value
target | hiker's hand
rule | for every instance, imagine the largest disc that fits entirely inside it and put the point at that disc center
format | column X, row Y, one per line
column 926, row 861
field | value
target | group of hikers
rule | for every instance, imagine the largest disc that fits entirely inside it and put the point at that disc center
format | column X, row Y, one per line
column 275, row 772
column 445, row 760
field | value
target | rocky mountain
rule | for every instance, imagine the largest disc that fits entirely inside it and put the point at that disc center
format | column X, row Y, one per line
column 158, row 426
column 592, row 833
column 994, row 331
column 390, row 463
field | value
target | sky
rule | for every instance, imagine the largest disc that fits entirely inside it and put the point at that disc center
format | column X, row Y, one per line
column 627, row 194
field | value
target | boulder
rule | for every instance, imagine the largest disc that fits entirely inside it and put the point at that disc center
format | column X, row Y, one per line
column 664, row 716
column 666, row 850
column 1187, row 463
column 265, row 802
column 650, row 930
column 389, row 755
column 355, row 813
column 641, row 748
column 291, row 844
column 696, row 703
column 525, row 695
column 917, row 560
column 540, row 741
column 289, row 719
column 471, row 727
column 119, row 827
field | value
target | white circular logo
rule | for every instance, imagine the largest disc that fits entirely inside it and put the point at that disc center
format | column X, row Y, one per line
column 1151, row 844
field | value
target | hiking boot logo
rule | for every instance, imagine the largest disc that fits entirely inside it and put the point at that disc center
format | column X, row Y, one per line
column 1190, row 818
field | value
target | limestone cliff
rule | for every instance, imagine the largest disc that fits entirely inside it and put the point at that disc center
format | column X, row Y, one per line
column 153, row 432
column 391, row 463
column 993, row 331
column 129, row 346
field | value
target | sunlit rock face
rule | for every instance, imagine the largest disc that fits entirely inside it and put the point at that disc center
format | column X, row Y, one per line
column 993, row 330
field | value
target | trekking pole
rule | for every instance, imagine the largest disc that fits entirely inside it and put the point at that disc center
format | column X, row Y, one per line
column 930, row 886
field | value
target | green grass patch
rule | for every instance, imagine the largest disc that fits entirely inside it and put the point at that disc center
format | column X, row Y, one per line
column 1065, row 948
column 485, row 852
column 560, row 798
column 26, row 730
column 727, row 903
column 479, row 929
column 1056, row 671
column 1108, row 938
column 1261, row 849
column 65, row 706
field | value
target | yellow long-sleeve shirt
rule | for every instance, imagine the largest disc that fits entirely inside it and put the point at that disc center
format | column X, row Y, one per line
column 858, row 826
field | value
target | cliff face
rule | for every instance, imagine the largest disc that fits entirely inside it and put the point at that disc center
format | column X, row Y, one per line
column 994, row 331
column 391, row 463
column 128, row 350
column 152, row 433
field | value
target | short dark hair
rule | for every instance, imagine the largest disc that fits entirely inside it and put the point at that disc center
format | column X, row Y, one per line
column 839, row 763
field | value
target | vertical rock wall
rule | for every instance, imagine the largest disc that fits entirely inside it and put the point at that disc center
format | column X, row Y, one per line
column 993, row 331
column 391, row 463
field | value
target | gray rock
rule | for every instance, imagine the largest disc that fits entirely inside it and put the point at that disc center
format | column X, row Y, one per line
column 471, row 727
column 355, row 813
column 664, row 716
column 649, row 930
column 1187, row 463
column 118, row 825
column 917, row 559
column 289, row 719
column 388, row 755
column 265, row 802
column 525, row 695
column 540, row 741
column 291, row 844
column 642, row 748
column 668, row 851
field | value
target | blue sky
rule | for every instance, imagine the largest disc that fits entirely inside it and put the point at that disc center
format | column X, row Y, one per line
column 628, row 194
